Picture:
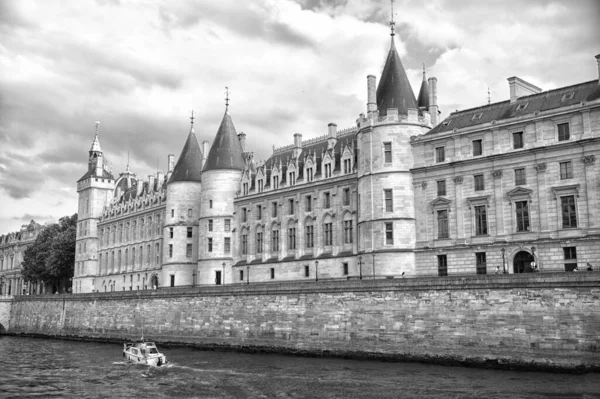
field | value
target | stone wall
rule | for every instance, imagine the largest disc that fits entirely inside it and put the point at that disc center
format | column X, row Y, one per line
column 5, row 307
column 536, row 320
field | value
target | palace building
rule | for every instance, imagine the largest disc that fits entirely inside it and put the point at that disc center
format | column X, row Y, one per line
column 505, row 187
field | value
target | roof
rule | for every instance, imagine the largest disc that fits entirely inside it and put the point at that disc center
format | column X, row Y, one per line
column 95, row 145
column 125, row 181
column 394, row 90
column 540, row 102
column 226, row 150
column 91, row 173
column 189, row 164
column 423, row 99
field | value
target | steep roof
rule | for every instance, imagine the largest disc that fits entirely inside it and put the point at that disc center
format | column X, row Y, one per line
column 394, row 89
column 95, row 145
column 226, row 150
column 544, row 101
column 92, row 173
column 189, row 164
column 423, row 99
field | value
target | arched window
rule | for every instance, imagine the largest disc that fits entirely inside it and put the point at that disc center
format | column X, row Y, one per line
column 157, row 253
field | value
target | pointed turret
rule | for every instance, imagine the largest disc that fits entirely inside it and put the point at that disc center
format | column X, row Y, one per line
column 423, row 100
column 189, row 164
column 226, row 151
column 394, row 89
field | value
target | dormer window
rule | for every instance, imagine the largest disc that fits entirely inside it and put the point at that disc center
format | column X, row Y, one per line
column 275, row 182
column 260, row 184
column 327, row 170
column 245, row 188
column 347, row 166
column 447, row 122
column 567, row 96
column 309, row 174
column 292, row 178
column 477, row 116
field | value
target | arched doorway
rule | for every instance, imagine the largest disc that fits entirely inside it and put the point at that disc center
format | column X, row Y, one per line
column 154, row 281
column 522, row 262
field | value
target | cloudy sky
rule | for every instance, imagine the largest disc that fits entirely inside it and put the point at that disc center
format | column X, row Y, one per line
column 140, row 66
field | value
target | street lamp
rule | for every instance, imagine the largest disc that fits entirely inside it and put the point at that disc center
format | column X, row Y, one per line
column 503, row 261
column 360, row 263
column 194, row 279
column 316, row 270
column 534, row 264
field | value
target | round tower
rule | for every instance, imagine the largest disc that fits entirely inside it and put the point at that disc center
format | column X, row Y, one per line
column 221, row 178
column 182, row 211
column 386, row 220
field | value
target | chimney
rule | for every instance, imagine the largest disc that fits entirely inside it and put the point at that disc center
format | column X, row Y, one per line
column 433, row 103
column 160, row 176
column 519, row 88
column 242, row 138
column 150, row 183
column 598, row 62
column 332, row 130
column 205, row 150
column 170, row 165
column 371, row 93
column 297, row 140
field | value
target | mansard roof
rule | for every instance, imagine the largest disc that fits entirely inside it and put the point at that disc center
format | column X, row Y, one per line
column 226, row 151
column 189, row 164
column 544, row 101
column 394, row 90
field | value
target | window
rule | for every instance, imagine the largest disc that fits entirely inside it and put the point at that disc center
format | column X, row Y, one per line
column 326, row 200
column 244, row 215
column 227, row 247
column 275, row 182
column 245, row 188
column 389, row 233
column 522, row 209
column 291, row 206
column 308, row 202
column 272, row 273
column 442, row 221
column 306, row 271
column 292, row 178
column 309, row 174
column 260, row 185
column 275, row 240
column 517, row 140
column 170, row 252
column 189, row 213
column 388, row 199
column 328, row 233
column 274, row 209
column 387, row 152
column 244, row 244
column 210, row 204
column 258, row 212
column 346, row 198
column 570, row 254
column 241, row 275
column 569, row 216
column 210, row 225
column 563, row 131
column 441, row 187
column 172, row 280
column 348, row 232
column 480, row 220
column 440, row 154
column 478, row 180
column 442, row 265
column 310, row 237
column 566, row 170
column 259, row 242
column 227, row 224
column 477, row 148
column 345, row 269
column 347, row 166
column 292, row 238
column 188, row 250
column 480, row 263
column 520, row 177
column 172, row 213
column 328, row 170
column 190, row 232
column 210, row 244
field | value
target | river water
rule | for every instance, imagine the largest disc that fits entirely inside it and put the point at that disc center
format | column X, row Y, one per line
column 47, row 368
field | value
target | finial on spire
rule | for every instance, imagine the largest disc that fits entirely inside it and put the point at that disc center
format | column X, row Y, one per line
column 97, row 124
column 192, row 118
column 392, row 23
column 226, row 98
column 424, row 78
column 489, row 97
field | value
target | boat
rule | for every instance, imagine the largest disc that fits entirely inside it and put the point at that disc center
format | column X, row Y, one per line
column 143, row 352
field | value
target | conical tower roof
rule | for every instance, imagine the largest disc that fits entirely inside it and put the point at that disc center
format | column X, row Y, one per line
column 226, row 150
column 394, row 89
column 189, row 164
column 423, row 99
column 95, row 145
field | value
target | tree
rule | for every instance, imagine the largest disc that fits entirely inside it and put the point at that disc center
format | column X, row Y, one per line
column 51, row 257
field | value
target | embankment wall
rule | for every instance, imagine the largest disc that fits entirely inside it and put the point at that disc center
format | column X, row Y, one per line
column 540, row 320
column 5, row 307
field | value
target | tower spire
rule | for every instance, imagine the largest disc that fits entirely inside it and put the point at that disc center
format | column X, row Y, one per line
column 96, row 142
column 392, row 22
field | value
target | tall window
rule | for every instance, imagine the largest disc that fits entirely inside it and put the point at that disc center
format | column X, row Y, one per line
column 227, row 224
column 566, row 170
column 258, row 212
column 347, row 166
column 442, row 221
column 326, row 200
column 241, row 275
column 227, row 247
column 244, row 215
column 346, row 196
column 522, row 208
column 210, row 225
column 245, row 187
column 569, row 215
column 517, row 140
column 244, row 244
column 274, row 209
column 480, row 262
column 563, row 131
column 210, row 204
column 387, row 152
column 275, row 183
column 306, row 271
column 309, row 236
column 442, row 265
column 477, row 147
column 188, row 250
column 190, row 232
column 328, row 170
column 170, row 232
column 259, row 242
column 210, row 244
column 348, row 236
column 441, row 187
column 328, row 233
column 292, row 238
column 479, row 185
column 309, row 174
column 570, row 254
column 260, row 185
column 389, row 200
column 189, row 213
column 170, row 252
column 275, row 240
column 291, row 206
column 345, row 269
column 481, row 220
column 272, row 273
column 440, row 154
column 520, row 177
column 389, row 233
column 308, row 202
column 292, row 178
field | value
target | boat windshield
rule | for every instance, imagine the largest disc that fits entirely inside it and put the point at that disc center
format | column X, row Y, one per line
column 152, row 350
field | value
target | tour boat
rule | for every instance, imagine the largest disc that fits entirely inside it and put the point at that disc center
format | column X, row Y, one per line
column 143, row 352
